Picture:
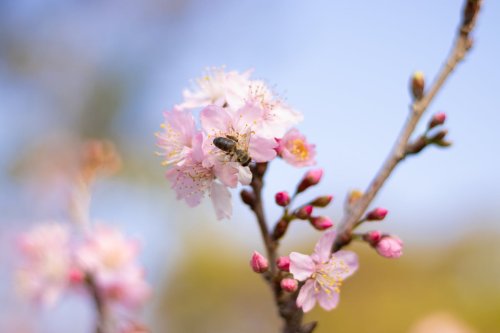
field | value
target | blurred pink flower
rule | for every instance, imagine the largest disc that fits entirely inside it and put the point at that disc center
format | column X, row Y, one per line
column 295, row 149
column 322, row 272
column 47, row 260
column 111, row 259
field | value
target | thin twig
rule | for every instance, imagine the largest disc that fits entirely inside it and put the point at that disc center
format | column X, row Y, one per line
column 100, row 306
column 399, row 152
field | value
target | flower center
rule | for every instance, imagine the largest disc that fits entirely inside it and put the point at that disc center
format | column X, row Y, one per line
column 329, row 276
column 299, row 149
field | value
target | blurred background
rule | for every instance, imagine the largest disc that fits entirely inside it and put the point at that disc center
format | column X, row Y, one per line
column 75, row 70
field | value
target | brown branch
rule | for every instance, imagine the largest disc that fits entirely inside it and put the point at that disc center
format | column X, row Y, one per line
column 462, row 44
column 292, row 315
column 100, row 306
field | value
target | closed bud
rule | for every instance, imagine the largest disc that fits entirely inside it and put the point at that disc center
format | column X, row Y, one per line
column 378, row 214
column 321, row 201
column 437, row 119
column 247, row 197
column 439, row 136
column 417, row 85
column 390, row 247
column 259, row 263
column 283, row 263
column 289, row 285
column 372, row 237
column 282, row 198
column 321, row 222
column 304, row 212
column 280, row 229
column 311, row 178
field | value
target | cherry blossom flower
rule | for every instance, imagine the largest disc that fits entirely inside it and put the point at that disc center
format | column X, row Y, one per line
column 295, row 149
column 322, row 272
column 45, row 272
column 218, row 88
column 240, row 127
column 192, row 180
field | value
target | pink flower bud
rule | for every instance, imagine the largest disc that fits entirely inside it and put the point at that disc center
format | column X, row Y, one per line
column 283, row 263
column 282, row 198
column 76, row 276
column 372, row 237
column 289, row 285
column 321, row 222
column 304, row 212
column 378, row 214
column 311, row 178
column 259, row 263
column 437, row 119
column 322, row 201
column 390, row 247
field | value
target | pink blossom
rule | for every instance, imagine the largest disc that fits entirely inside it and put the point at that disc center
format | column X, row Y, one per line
column 111, row 259
column 295, row 149
column 322, row 272
column 218, row 88
column 289, row 285
column 390, row 247
column 240, row 126
column 192, row 180
column 259, row 263
column 47, row 261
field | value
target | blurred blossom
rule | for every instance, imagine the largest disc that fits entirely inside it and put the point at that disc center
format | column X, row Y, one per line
column 323, row 273
column 441, row 323
column 46, row 263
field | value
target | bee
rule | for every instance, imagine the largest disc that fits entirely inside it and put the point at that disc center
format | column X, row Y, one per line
column 230, row 145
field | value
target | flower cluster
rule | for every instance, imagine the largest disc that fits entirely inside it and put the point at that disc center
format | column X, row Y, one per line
column 242, row 121
column 57, row 260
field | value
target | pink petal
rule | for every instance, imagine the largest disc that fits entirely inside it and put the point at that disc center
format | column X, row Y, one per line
column 301, row 266
column 306, row 298
column 215, row 119
column 350, row 260
column 221, row 200
column 244, row 175
column 227, row 173
column 262, row 149
column 323, row 247
column 327, row 301
column 248, row 117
